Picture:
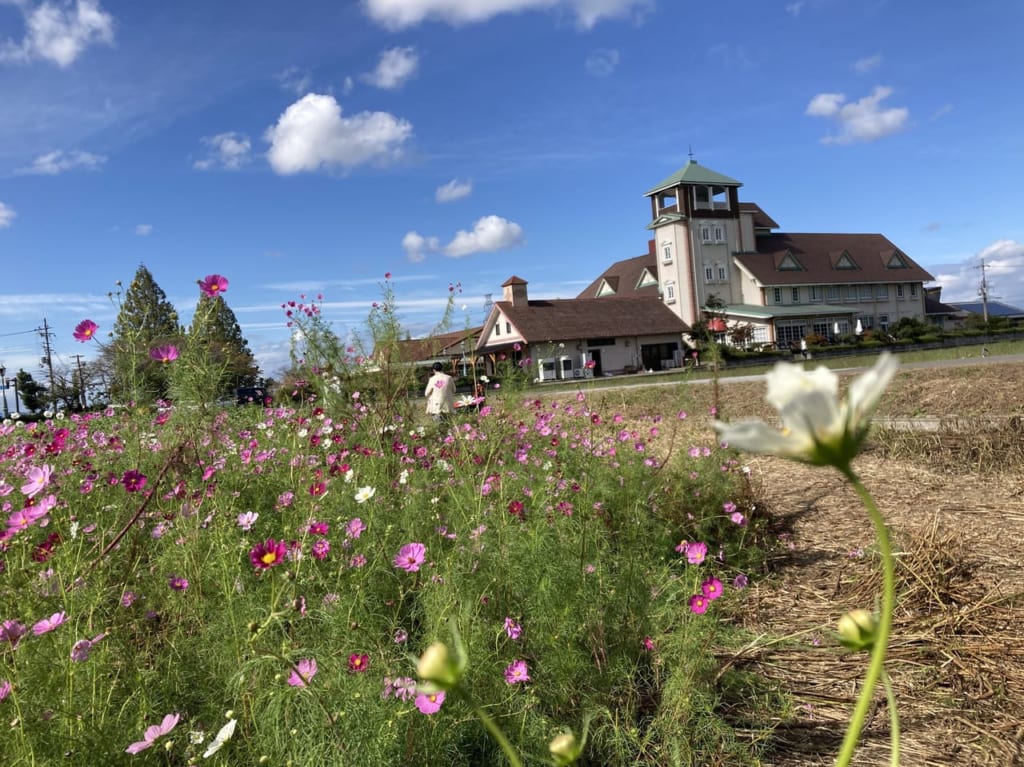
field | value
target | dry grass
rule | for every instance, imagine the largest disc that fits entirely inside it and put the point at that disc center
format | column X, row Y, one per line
column 954, row 499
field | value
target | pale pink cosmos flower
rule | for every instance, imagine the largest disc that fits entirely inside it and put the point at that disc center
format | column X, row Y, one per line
column 36, row 479
column 149, row 737
column 354, row 528
column 47, row 625
column 81, row 649
column 512, row 628
column 247, row 519
column 303, row 672
column 12, row 631
column 430, row 702
column 5, row 688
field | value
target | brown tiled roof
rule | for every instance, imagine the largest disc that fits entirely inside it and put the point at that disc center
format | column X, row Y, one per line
column 818, row 254
column 568, row 319
column 761, row 219
column 440, row 345
column 623, row 276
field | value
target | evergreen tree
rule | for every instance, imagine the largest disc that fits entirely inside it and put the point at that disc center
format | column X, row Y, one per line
column 32, row 394
column 146, row 319
column 215, row 330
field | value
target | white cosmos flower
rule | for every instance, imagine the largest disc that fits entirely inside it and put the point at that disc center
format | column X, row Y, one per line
column 817, row 427
column 222, row 737
column 365, row 493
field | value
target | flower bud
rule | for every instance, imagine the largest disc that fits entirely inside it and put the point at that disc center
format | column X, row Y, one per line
column 857, row 630
column 437, row 666
column 564, row 749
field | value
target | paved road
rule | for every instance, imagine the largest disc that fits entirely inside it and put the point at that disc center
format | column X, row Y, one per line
column 651, row 379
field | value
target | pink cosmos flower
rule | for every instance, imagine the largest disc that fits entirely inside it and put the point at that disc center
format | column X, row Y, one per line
column 512, row 628
column 430, row 702
column 320, row 548
column 177, row 583
column 12, row 631
column 267, row 554
column 403, row 688
column 213, row 285
column 306, row 671
column 695, row 552
column 410, row 557
column 517, row 672
column 152, row 733
column 647, row 643
column 247, row 519
column 165, row 353
column 80, row 650
column 354, row 528
column 5, row 688
column 85, row 330
column 47, row 625
column 712, row 589
column 36, row 479
column 699, row 604
column 740, row 581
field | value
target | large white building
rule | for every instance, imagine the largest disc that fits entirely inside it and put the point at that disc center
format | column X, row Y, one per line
column 709, row 248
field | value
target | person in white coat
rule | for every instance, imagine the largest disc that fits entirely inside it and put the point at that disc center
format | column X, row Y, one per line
column 440, row 394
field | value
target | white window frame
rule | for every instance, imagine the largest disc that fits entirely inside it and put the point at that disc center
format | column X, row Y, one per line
column 723, row 274
column 709, row 274
column 833, row 293
column 913, row 290
column 815, row 294
column 794, row 295
column 705, row 233
column 670, row 291
column 777, row 295
column 865, row 293
column 666, row 253
column 899, row 291
column 719, row 232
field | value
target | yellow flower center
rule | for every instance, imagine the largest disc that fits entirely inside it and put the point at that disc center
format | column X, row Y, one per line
column 269, row 558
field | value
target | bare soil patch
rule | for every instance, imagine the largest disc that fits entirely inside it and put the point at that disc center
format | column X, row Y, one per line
column 954, row 500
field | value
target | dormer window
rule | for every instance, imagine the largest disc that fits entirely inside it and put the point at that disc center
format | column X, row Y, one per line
column 646, row 279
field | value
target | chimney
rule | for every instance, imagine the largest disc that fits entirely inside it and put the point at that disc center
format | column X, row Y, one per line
column 514, row 291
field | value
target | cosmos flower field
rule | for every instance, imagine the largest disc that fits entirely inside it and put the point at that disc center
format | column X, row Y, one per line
column 254, row 585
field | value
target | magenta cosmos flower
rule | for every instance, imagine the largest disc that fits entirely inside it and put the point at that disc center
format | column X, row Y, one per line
column 165, row 353
column 517, row 672
column 410, row 557
column 267, row 554
column 85, row 330
column 304, row 671
column 712, row 589
column 133, row 480
column 149, row 737
column 429, row 702
column 213, row 285
column 699, row 604
column 358, row 662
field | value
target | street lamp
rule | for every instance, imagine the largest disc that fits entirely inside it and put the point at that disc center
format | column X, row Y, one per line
column 3, row 383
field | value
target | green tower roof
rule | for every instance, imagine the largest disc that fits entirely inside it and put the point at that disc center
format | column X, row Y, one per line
column 693, row 173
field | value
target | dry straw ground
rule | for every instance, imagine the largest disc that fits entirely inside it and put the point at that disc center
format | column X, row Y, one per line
column 954, row 499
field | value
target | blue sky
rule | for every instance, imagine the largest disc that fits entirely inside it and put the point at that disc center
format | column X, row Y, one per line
column 311, row 147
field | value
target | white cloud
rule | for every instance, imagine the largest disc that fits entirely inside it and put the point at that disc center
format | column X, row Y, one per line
column 395, row 67
column 1004, row 273
column 144, row 230
column 942, row 111
column 490, row 233
column 398, row 14
column 225, row 150
column 602, row 62
column 348, row 85
column 294, row 79
column 868, row 63
column 417, row 246
column 312, row 134
column 862, row 120
column 794, row 8
column 59, row 32
column 453, row 190
column 7, row 216
column 53, row 163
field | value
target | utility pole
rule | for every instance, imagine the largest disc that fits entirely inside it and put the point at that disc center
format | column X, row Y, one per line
column 81, row 383
column 983, row 291
column 48, row 361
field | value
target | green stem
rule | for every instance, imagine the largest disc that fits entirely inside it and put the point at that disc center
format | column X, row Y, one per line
column 894, row 722
column 491, row 725
column 881, row 643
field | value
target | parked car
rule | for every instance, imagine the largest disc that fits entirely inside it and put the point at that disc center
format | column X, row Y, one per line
column 253, row 395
